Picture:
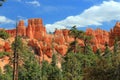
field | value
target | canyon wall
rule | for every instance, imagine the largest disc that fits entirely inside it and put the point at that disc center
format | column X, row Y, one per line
column 44, row 45
column 58, row 42
column 114, row 33
column 100, row 38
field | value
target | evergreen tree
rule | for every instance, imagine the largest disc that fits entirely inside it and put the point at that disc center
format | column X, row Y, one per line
column 106, row 67
column 90, row 57
column 71, row 67
column 45, row 70
column 76, row 34
column 98, row 52
column 56, row 73
column 29, row 68
column 54, row 60
column 116, row 46
column 7, row 75
column 3, row 34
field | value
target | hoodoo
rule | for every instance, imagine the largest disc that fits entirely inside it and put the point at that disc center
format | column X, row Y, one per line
column 114, row 33
column 59, row 41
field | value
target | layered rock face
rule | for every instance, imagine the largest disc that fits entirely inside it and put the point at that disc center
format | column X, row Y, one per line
column 114, row 33
column 100, row 38
column 20, row 28
column 4, row 46
column 58, row 42
column 35, row 29
column 4, row 61
column 51, row 43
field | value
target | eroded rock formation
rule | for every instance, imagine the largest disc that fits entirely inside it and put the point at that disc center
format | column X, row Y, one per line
column 35, row 29
column 100, row 38
column 114, row 33
column 5, row 46
column 58, row 42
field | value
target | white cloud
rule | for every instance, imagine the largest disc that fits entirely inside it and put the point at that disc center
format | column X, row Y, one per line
column 5, row 20
column 34, row 3
column 95, row 15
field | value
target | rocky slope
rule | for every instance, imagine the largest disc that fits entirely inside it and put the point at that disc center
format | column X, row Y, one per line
column 45, row 44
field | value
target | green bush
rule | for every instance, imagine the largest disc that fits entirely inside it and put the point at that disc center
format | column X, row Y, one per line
column 2, row 54
column 3, row 34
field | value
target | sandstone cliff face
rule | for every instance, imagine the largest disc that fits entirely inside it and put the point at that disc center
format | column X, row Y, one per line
column 46, row 44
column 21, row 28
column 100, row 38
column 35, row 29
column 2, row 42
column 4, row 61
column 114, row 33
column 5, row 46
column 12, row 32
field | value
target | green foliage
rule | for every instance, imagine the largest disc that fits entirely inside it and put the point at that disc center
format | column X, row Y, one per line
column 3, row 34
column 1, row 75
column 18, row 45
column 74, row 32
column 90, row 57
column 51, row 71
column 116, row 46
column 2, row 54
column 98, row 52
column 82, row 64
column 46, row 70
column 30, row 69
column 55, row 73
column 73, row 47
column 7, row 74
column 54, row 60
column 107, row 52
column 71, row 67
column 103, row 70
column 106, row 67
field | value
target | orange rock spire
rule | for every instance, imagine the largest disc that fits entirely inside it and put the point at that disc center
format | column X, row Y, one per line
column 59, row 41
column 114, row 33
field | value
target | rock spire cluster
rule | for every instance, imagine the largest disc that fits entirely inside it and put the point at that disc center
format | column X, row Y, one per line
column 58, row 42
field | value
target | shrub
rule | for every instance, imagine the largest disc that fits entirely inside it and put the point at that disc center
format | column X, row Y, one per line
column 3, row 34
column 2, row 54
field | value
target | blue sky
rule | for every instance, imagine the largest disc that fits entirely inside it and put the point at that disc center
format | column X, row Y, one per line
column 62, row 13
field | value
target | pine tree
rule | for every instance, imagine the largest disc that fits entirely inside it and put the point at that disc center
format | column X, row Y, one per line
column 98, row 52
column 45, row 70
column 71, row 67
column 76, row 34
column 30, row 69
column 7, row 75
column 116, row 46
column 3, row 34
column 54, row 72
